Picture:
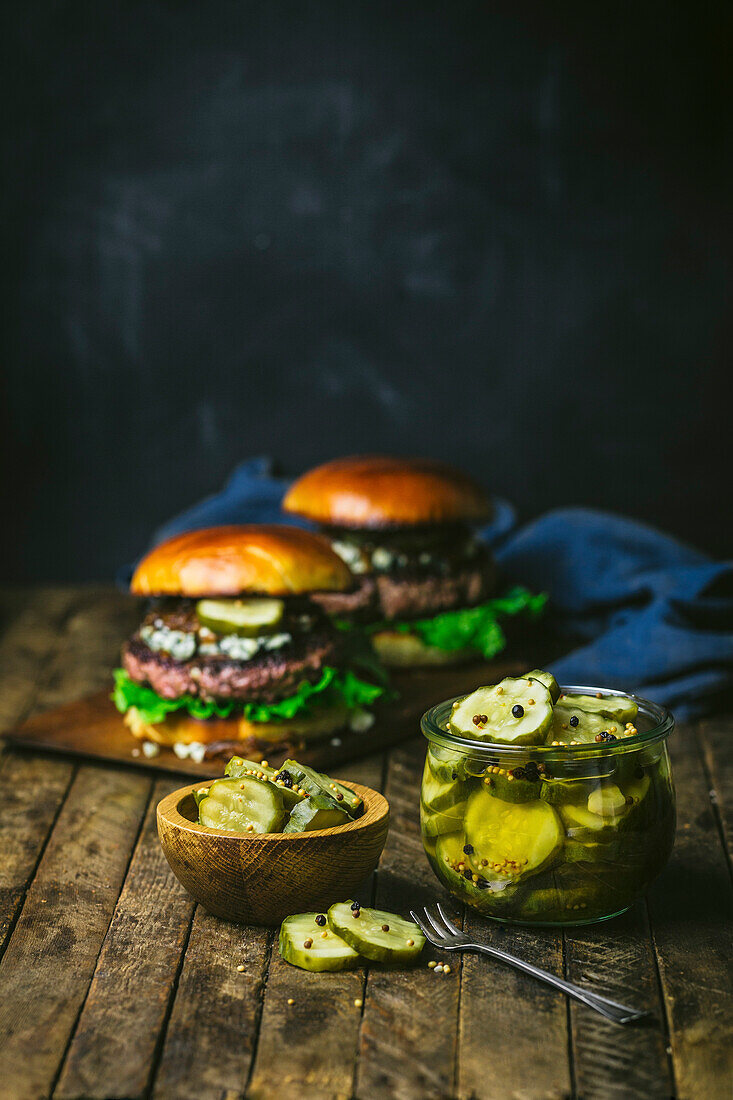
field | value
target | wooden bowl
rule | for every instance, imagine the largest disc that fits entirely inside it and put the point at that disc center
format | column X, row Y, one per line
column 260, row 878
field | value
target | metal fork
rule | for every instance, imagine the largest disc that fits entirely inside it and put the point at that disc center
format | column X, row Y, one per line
column 443, row 933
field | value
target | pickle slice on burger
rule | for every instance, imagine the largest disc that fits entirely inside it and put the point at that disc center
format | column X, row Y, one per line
column 426, row 584
column 234, row 649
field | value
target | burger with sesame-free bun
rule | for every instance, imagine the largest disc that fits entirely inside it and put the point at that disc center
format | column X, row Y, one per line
column 234, row 648
column 406, row 528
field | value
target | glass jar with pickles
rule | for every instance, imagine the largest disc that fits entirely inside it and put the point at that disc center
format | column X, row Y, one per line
column 543, row 806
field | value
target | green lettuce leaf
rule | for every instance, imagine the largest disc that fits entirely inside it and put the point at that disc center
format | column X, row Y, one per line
column 475, row 627
column 335, row 687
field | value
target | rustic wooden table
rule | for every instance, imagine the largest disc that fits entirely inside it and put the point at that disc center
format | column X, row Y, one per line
column 113, row 984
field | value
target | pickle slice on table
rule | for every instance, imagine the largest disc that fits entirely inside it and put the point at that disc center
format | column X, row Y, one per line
column 614, row 707
column 514, row 712
column 243, row 805
column 247, row 618
column 307, row 941
column 378, row 936
column 547, row 679
column 318, row 811
column 514, row 840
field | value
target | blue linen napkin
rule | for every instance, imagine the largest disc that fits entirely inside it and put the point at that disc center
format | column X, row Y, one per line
column 651, row 615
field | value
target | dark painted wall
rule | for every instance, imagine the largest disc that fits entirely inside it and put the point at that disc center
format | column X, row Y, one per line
column 495, row 233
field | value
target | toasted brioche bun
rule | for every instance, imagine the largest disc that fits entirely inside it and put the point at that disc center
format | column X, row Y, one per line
column 396, row 649
column 375, row 491
column 230, row 561
column 181, row 728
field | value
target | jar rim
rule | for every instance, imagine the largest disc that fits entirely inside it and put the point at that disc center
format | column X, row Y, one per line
column 662, row 718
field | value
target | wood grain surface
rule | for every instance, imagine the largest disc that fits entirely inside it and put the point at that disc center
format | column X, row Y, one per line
column 115, row 984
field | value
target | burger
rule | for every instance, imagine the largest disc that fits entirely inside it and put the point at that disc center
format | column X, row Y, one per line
column 427, row 586
column 234, row 648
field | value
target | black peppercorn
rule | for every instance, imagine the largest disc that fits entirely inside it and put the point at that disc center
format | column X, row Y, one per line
column 468, row 874
column 574, row 720
column 518, row 710
column 320, row 920
column 356, row 905
column 285, row 778
column 519, row 773
column 468, row 849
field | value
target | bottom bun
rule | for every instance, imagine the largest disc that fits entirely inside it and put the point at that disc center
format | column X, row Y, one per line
column 396, row 649
column 181, row 729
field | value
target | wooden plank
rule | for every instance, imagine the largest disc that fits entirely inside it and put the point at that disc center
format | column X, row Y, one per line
column 617, row 959
column 38, row 661
column 691, row 909
column 31, row 793
column 320, row 1031
column 212, row 1030
column 51, row 956
column 409, row 1029
column 29, row 640
column 503, row 1013
column 716, row 738
column 113, row 1049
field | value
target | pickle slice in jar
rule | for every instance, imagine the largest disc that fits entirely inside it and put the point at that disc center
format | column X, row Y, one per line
column 514, row 712
column 243, row 805
column 440, row 794
column 318, row 811
column 247, row 618
column 445, row 764
column 547, row 679
column 607, row 801
column 375, row 934
column 513, row 784
column 436, row 823
column 582, row 824
column 514, row 839
column 324, row 951
column 615, row 707
column 570, row 723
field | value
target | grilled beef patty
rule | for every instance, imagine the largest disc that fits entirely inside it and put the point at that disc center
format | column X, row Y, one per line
column 266, row 677
column 405, row 595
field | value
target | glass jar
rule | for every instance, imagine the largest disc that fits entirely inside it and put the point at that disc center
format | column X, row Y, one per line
column 548, row 835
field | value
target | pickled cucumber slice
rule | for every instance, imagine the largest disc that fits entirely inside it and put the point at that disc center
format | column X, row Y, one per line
column 247, row 618
column 442, row 821
column 607, row 801
column 243, row 805
column 547, row 679
column 515, row 840
column 570, row 723
column 313, row 782
column 445, row 764
column 238, row 766
column 324, row 951
column 615, row 707
column 378, row 936
column 318, row 811
column 440, row 794
column 200, row 795
column 449, row 853
column 559, row 791
column 511, row 784
column 582, row 824
column 514, row 712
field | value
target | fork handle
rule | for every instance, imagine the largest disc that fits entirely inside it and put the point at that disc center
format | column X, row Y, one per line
column 612, row 1010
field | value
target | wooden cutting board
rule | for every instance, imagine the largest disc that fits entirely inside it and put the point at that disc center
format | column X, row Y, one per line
column 92, row 727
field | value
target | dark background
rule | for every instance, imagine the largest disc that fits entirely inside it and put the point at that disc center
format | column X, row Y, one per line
column 495, row 233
